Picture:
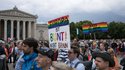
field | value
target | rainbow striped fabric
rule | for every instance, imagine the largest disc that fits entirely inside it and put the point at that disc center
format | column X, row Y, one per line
column 102, row 26
column 58, row 22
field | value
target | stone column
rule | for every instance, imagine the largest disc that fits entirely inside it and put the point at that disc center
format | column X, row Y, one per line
column 5, row 30
column 34, row 29
column 29, row 29
column 18, row 30
column 12, row 29
column 24, row 35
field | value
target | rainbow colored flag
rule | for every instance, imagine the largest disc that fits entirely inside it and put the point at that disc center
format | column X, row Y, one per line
column 86, row 29
column 102, row 26
column 58, row 22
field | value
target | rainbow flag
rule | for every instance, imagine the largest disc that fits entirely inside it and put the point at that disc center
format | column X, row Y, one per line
column 58, row 22
column 102, row 26
column 86, row 29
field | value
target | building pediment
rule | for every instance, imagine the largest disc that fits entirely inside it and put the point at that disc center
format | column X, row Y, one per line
column 16, row 13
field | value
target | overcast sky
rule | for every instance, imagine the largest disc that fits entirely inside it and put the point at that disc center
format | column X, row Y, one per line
column 78, row 10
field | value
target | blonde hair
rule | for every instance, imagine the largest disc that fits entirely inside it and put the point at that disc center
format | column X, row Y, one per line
column 110, row 51
column 61, row 66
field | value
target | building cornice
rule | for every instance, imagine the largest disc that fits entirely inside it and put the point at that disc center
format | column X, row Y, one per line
column 15, row 12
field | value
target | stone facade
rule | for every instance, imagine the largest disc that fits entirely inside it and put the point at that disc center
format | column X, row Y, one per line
column 16, row 24
column 42, row 32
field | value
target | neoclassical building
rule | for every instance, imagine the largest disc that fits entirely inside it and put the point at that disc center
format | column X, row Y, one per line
column 16, row 24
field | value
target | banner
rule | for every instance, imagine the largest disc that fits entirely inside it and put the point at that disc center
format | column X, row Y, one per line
column 59, row 34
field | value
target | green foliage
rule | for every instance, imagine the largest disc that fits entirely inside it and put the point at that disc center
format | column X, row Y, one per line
column 115, row 30
column 72, row 30
column 74, row 26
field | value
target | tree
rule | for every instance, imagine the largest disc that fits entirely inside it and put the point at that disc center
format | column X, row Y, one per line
column 115, row 30
column 78, row 25
column 72, row 30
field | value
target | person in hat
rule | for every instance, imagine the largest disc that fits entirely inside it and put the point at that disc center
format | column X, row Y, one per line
column 45, row 58
column 104, row 61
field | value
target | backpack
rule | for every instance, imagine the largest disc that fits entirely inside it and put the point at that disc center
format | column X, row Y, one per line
column 84, row 57
column 87, row 64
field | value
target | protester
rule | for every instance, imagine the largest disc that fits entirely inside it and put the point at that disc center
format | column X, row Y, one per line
column 20, row 53
column 112, row 53
column 2, row 57
column 55, row 56
column 122, row 62
column 19, row 50
column 2, row 51
column 11, row 49
column 30, row 53
column 102, row 47
column 75, row 42
column 44, row 59
column 83, row 49
column 104, row 61
column 114, row 45
column 73, row 54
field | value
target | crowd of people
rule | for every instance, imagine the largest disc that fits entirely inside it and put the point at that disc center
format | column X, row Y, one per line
column 31, row 54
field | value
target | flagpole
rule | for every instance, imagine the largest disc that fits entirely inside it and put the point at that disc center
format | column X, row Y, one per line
column 90, row 35
column 93, row 31
column 77, row 32
column 94, row 35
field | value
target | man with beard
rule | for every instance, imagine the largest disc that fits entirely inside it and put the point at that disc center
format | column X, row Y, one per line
column 30, row 53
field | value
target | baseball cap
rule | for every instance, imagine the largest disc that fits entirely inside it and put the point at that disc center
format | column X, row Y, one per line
column 46, row 52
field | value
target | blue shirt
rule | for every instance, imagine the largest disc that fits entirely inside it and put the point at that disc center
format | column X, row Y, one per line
column 74, row 62
column 19, row 63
